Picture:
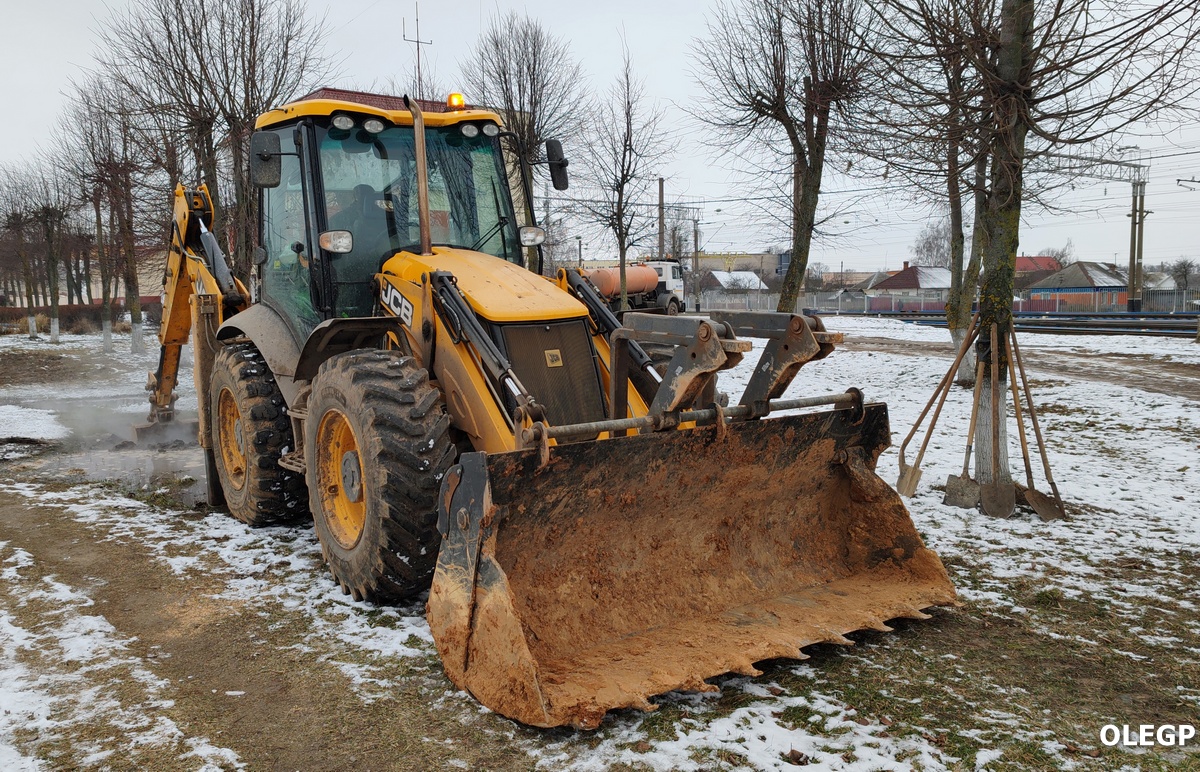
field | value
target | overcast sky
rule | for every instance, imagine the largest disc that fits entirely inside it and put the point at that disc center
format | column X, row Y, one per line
column 47, row 44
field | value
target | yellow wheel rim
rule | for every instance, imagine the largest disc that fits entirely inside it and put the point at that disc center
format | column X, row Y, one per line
column 339, row 475
column 229, row 430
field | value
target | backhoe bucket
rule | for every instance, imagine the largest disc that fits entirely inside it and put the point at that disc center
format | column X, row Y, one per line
column 634, row 566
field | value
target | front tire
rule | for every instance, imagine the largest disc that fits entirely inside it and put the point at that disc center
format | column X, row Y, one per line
column 251, row 431
column 377, row 444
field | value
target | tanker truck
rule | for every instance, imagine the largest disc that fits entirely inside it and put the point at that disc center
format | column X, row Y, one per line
column 655, row 286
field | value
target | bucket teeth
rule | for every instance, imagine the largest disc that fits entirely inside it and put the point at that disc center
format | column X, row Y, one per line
column 915, row 613
column 877, row 625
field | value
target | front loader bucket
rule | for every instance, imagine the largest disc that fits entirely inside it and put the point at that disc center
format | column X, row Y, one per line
column 634, row 566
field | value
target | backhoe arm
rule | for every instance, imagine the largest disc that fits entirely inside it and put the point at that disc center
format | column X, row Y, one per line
column 199, row 291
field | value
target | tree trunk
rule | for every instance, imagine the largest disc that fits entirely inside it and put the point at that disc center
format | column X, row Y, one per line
column 30, row 304
column 133, row 301
column 105, row 294
column 1002, row 220
column 793, row 280
column 50, row 231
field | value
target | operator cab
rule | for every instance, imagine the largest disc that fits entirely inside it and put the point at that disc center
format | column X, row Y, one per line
column 347, row 197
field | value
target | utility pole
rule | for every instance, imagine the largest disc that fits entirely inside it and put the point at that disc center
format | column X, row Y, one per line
column 662, row 222
column 579, row 243
column 696, row 261
column 1134, row 173
column 418, row 42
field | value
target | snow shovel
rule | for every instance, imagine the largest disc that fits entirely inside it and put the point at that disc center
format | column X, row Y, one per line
column 962, row 491
column 999, row 499
column 906, row 485
column 1045, row 508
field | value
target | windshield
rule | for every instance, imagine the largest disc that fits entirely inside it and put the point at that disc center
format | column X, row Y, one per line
column 370, row 190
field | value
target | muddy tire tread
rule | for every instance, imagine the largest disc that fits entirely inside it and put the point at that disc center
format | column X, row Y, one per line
column 272, row 494
column 405, row 450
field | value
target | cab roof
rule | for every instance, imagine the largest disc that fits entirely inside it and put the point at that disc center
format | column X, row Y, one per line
column 326, row 101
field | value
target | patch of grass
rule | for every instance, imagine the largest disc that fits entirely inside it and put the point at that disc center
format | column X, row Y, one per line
column 1051, row 597
column 662, row 725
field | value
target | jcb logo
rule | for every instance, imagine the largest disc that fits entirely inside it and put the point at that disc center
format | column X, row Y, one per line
column 396, row 303
column 553, row 358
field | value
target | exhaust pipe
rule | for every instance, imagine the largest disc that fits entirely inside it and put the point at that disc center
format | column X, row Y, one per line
column 422, row 175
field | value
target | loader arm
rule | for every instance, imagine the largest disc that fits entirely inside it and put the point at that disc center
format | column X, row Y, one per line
column 199, row 292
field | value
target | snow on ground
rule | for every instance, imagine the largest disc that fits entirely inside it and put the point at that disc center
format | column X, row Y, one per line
column 1125, row 461
column 31, row 423
column 108, row 388
column 62, row 669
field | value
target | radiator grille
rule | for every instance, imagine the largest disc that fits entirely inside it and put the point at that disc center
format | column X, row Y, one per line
column 555, row 361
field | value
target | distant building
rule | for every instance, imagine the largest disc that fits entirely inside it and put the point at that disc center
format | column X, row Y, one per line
column 1027, row 264
column 1080, row 284
column 733, row 280
column 915, row 280
column 872, row 280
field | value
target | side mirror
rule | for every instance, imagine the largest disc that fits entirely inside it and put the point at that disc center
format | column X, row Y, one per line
column 557, row 163
column 532, row 235
column 265, row 165
column 337, row 242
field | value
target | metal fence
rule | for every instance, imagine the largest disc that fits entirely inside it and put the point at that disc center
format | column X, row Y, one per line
column 934, row 301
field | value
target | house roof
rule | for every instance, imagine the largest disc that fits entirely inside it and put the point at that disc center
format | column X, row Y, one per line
column 1023, row 281
column 872, row 280
column 1158, row 281
column 738, row 280
column 1080, row 275
column 917, row 277
column 1027, row 264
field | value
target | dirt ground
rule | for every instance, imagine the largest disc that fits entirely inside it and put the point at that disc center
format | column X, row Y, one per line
column 257, row 678
column 26, row 367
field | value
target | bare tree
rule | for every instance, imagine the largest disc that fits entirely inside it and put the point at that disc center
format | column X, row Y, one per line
column 814, row 277
column 626, row 144
column 1065, row 255
column 49, row 205
column 781, row 73
column 18, row 226
column 210, row 68
column 530, row 77
column 933, row 244
column 1048, row 75
column 1183, row 271
column 95, row 146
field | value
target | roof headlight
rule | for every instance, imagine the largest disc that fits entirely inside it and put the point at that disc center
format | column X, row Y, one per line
column 373, row 125
column 343, row 122
column 470, row 130
column 490, row 130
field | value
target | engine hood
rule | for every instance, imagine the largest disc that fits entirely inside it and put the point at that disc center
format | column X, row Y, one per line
column 497, row 290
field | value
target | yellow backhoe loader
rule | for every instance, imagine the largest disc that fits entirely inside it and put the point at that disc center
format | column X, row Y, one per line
column 590, row 533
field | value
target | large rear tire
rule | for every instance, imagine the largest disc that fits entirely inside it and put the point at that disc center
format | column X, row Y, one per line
column 377, row 444
column 250, row 431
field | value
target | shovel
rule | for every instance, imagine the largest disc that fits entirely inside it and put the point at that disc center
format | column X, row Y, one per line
column 962, row 491
column 1046, row 508
column 1040, row 503
column 999, row 498
column 906, row 485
